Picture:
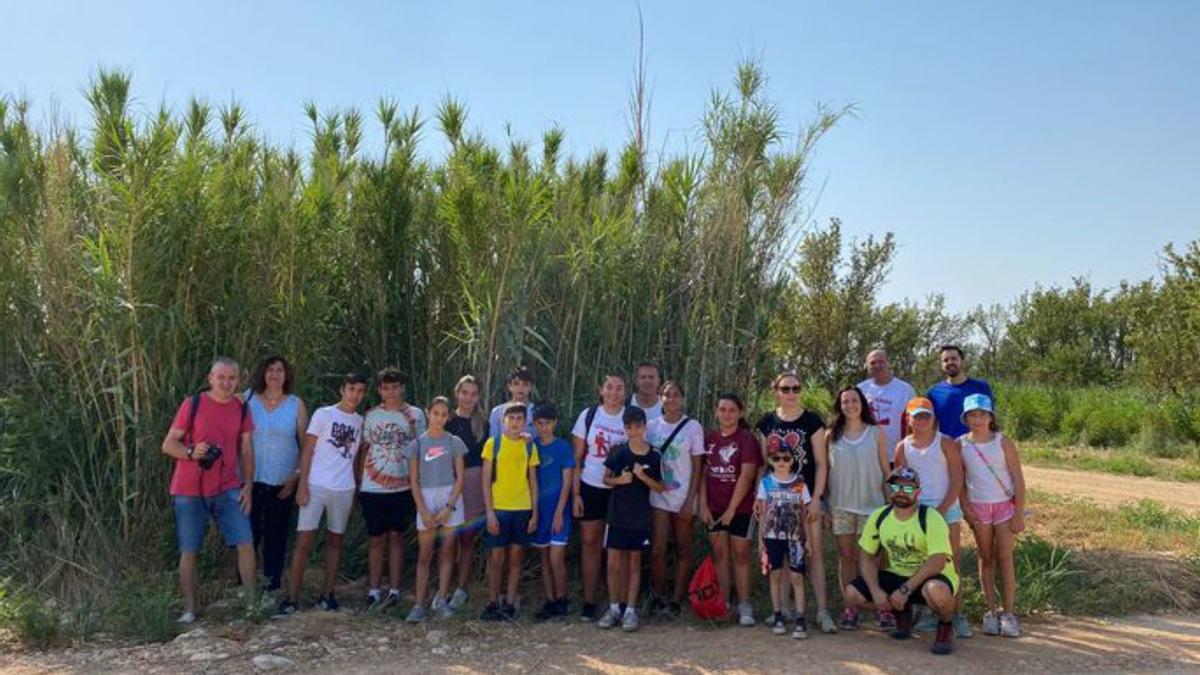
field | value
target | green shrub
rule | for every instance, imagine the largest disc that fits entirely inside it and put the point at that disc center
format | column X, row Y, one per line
column 143, row 609
column 1030, row 411
column 817, row 399
column 1103, row 417
column 32, row 619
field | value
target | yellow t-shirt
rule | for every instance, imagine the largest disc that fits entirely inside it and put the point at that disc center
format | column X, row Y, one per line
column 510, row 491
column 907, row 546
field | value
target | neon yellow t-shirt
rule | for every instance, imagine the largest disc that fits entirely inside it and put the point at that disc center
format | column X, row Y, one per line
column 510, row 491
column 907, row 546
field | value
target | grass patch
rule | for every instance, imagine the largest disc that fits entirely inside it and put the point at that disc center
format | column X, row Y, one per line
column 1124, row 461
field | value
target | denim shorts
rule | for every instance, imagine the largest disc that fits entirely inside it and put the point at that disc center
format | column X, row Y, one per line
column 192, row 514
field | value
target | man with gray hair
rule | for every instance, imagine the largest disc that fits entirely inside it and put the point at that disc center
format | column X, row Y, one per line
column 887, row 395
column 209, row 439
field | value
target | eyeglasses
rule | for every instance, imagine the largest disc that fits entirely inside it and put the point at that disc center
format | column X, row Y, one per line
column 776, row 459
column 789, row 389
column 906, row 489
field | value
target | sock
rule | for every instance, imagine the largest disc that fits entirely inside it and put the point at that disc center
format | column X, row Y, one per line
column 374, row 593
column 394, row 591
column 615, row 608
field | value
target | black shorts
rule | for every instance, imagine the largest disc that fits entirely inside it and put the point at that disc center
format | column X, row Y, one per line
column 626, row 539
column 738, row 527
column 781, row 551
column 891, row 582
column 595, row 502
column 387, row 511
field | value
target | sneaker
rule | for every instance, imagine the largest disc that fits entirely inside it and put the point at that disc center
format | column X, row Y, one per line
column 491, row 612
column 508, row 611
column 991, row 622
column 826, row 622
column 778, row 625
column 562, row 607
column 285, row 609
column 745, row 614
column 188, row 616
column 886, row 621
column 962, row 627
column 391, row 600
column 943, row 643
column 925, row 621
column 610, row 619
column 328, row 603
column 274, row 584
column 445, row 611
column 800, row 631
column 374, row 601
column 548, row 611
column 588, row 612
column 417, row 615
column 674, row 610
column 630, row 622
column 439, row 601
column 458, row 599
column 903, row 624
column 849, row 619
column 1008, row 625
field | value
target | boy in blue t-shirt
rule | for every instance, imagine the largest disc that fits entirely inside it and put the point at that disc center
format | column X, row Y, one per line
column 554, row 516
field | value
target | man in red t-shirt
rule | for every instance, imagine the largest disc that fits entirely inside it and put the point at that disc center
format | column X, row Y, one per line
column 215, row 491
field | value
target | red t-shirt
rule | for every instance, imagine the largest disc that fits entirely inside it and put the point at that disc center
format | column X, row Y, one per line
column 723, row 467
column 216, row 424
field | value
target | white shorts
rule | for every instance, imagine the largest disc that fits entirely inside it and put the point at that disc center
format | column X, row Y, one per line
column 336, row 504
column 435, row 499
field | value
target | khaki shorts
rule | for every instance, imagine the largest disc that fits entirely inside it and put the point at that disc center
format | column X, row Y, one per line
column 845, row 522
column 334, row 504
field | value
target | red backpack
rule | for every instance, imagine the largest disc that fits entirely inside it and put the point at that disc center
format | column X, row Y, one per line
column 705, row 594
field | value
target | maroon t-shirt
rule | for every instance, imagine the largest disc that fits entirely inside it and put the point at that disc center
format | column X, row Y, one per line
column 219, row 424
column 723, row 467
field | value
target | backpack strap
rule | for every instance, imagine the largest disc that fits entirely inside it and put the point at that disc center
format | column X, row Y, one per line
column 887, row 511
column 587, row 422
column 195, row 405
column 495, row 455
column 679, row 427
column 922, row 515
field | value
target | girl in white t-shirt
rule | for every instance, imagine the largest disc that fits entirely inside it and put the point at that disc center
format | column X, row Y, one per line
column 680, row 440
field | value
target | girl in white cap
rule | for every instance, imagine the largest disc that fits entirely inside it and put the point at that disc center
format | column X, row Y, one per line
column 995, row 495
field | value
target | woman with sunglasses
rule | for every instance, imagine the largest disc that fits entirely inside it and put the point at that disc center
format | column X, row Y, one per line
column 792, row 428
column 858, row 463
column 938, row 461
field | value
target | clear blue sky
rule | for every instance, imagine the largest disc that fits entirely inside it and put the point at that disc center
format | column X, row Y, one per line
column 1005, row 144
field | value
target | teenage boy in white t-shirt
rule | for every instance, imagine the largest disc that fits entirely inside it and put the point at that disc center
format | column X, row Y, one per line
column 326, row 487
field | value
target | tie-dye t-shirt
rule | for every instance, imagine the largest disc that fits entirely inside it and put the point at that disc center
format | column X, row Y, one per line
column 387, row 433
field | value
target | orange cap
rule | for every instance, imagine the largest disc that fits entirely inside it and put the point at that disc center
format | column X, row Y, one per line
column 919, row 404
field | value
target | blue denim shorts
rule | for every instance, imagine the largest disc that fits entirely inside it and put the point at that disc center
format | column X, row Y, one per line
column 192, row 514
column 513, row 530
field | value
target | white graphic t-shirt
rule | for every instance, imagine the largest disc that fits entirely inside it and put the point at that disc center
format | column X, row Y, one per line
column 676, row 460
column 607, row 432
column 888, row 402
column 338, row 437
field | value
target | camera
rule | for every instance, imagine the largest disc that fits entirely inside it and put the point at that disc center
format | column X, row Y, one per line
column 210, row 457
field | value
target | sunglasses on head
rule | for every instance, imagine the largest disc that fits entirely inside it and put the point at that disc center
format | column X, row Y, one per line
column 789, row 389
column 906, row 489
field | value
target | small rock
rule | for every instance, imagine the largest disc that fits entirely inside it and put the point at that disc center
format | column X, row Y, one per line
column 441, row 651
column 467, row 649
column 271, row 662
column 207, row 656
column 192, row 634
column 435, row 637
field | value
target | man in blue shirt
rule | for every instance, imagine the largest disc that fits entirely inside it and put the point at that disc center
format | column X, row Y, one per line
column 947, row 396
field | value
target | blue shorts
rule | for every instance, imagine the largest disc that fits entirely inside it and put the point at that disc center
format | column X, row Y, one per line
column 192, row 514
column 513, row 530
column 545, row 536
column 953, row 515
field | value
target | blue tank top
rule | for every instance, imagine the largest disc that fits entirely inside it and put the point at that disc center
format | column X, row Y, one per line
column 276, row 449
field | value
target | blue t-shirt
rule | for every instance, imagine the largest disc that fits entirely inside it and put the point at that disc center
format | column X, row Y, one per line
column 948, row 403
column 555, row 457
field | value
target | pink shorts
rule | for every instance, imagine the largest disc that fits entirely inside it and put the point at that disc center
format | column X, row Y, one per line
column 993, row 513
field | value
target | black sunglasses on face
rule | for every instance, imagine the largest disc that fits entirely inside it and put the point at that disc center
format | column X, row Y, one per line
column 775, row 459
column 789, row 389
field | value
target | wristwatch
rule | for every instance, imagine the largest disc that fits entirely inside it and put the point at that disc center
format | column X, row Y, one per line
column 904, row 589
column 190, row 451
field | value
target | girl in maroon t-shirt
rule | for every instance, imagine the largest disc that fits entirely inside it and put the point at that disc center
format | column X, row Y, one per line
column 727, row 498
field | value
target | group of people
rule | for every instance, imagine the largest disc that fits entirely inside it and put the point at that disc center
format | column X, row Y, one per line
column 892, row 474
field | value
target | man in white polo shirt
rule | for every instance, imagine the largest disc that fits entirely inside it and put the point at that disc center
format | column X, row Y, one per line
column 887, row 395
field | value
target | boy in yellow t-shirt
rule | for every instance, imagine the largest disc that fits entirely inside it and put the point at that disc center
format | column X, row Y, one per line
column 510, row 491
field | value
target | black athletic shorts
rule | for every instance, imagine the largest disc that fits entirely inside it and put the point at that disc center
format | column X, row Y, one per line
column 891, row 582
column 625, row 539
column 738, row 527
column 782, row 552
column 595, row 502
column 387, row 511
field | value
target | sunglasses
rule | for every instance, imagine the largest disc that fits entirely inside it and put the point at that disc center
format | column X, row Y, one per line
column 789, row 389
column 776, row 459
column 906, row 489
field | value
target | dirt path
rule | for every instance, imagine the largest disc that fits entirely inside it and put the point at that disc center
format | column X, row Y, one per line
column 1112, row 490
column 354, row 643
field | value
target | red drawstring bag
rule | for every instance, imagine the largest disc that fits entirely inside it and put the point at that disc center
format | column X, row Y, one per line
column 704, row 593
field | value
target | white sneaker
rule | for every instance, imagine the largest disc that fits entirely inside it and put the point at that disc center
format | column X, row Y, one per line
column 188, row 616
column 630, row 623
column 1009, row 626
column 745, row 614
column 991, row 622
column 611, row 618
column 439, row 601
column 458, row 599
